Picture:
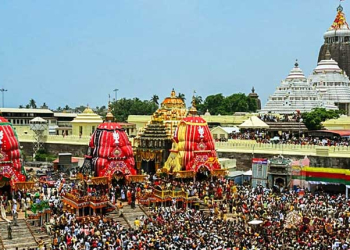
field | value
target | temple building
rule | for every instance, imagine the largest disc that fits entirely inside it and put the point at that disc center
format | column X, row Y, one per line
column 332, row 83
column 295, row 94
column 85, row 124
column 153, row 142
column 255, row 96
column 337, row 41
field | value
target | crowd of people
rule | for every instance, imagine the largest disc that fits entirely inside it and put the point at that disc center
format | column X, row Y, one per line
column 261, row 136
column 231, row 217
column 292, row 219
column 285, row 118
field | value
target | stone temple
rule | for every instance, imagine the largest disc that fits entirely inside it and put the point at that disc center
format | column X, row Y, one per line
column 332, row 83
column 337, row 41
column 295, row 94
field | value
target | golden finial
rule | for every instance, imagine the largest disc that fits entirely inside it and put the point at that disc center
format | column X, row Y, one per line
column 173, row 94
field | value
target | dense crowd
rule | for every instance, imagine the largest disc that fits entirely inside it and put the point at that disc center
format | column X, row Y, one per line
column 260, row 136
column 293, row 219
column 235, row 217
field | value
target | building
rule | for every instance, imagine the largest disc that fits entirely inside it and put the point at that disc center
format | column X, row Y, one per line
column 223, row 133
column 63, row 124
column 332, row 83
column 255, row 96
column 259, row 172
column 84, row 124
column 342, row 123
column 22, row 116
column 279, row 173
column 337, row 42
column 295, row 94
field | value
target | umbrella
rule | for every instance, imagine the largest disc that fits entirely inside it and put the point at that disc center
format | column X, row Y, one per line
column 255, row 222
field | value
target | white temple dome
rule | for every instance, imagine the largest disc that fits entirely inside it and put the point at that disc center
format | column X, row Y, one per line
column 296, row 73
column 328, row 65
column 294, row 93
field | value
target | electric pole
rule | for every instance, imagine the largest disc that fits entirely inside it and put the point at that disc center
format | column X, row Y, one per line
column 115, row 94
column 3, row 96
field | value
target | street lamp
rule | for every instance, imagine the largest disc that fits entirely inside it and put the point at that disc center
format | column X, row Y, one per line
column 3, row 95
column 116, row 94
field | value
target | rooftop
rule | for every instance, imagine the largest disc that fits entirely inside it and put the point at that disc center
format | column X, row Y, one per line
column 24, row 110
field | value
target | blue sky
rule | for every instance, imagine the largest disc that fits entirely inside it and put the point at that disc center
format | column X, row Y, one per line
column 76, row 52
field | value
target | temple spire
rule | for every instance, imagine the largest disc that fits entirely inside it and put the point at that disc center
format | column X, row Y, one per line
column 296, row 64
column 193, row 109
column 109, row 115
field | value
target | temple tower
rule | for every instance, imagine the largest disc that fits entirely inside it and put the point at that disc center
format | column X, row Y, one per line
column 255, row 96
column 337, row 41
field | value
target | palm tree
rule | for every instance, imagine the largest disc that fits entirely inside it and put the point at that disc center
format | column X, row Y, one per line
column 155, row 99
column 198, row 99
column 181, row 96
column 32, row 103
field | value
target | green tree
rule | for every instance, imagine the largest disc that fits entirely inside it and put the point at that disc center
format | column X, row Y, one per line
column 59, row 109
column 21, row 106
column 313, row 119
column 79, row 109
column 122, row 108
column 102, row 111
column 32, row 104
column 66, row 107
column 218, row 104
column 155, row 99
column 181, row 96
column 213, row 103
column 198, row 100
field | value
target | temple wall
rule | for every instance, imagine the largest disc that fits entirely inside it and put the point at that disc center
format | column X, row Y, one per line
column 55, row 148
column 244, row 160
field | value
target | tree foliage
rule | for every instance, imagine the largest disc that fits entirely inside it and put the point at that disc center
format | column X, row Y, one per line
column 32, row 104
column 313, row 119
column 181, row 96
column 122, row 108
column 219, row 104
column 155, row 99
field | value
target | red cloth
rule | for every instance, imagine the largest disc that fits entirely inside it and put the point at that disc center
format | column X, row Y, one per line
column 112, row 151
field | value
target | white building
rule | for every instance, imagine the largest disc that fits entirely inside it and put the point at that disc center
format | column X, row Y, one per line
column 332, row 83
column 295, row 94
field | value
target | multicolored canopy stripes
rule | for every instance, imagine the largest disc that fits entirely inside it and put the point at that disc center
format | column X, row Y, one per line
column 110, row 152
column 10, row 165
column 329, row 175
